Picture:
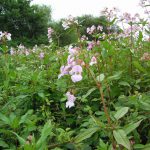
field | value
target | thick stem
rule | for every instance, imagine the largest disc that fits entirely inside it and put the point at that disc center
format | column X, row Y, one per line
column 103, row 102
column 102, row 97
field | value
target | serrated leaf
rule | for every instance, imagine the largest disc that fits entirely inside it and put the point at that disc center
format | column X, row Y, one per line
column 88, row 92
column 121, row 112
column 116, row 76
column 129, row 128
column 86, row 134
column 124, row 83
column 121, row 138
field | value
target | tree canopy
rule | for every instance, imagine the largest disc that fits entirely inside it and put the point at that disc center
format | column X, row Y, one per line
column 24, row 21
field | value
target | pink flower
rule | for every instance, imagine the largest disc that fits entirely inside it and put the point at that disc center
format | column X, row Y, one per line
column 50, row 31
column 70, row 100
column 76, row 78
column 91, row 30
column 8, row 36
column 12, row 51
column 41, row 55
column 88, row 30
column 63, row 71
column 90, row 45
column 27, row 52
column 77, row 69
column 73, row 50
column 93, row 61
column 100, row 28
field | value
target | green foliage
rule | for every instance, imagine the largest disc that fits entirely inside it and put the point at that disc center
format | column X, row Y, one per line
column 111, row 107
column 27, row 23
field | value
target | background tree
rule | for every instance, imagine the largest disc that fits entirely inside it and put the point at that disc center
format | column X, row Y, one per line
column 27, row 23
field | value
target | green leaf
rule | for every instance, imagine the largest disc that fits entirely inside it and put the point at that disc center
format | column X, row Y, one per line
column 138, row 66
column 130, row 127
column 116, row 76
column 144, row 105
column 100, row 78
column 3, row 144
column 46, row 131
column 86, row 134
column 121, row 112
column 88, row 92
column 5, row 119
column 24, row 117
column 124, row 83
column 142, row 147
column 121, row 138
column 20, row 139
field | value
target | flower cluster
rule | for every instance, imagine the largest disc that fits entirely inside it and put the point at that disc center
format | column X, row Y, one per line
column 50, row 31
column 144, row 3
column 70, row 100
column 91, row 44
column 74, row 65
column 68, row 22
column 22, row 50
column 128, row 18
column 110, row 14
column 5, row 36
column 93, row 29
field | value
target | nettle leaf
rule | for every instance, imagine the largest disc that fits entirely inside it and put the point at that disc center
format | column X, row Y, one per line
column 124, row 83
column 100, row 78
column 121, row 138
column 86, row 134
column 121, row 112
column 130, row 127
column 88, row 93
column 116, row 76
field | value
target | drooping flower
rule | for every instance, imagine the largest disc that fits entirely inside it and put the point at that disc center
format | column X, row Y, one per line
column 100, row 28
column 41, row 55
column 8, row 36
column 90, row 45
column 64, row 70
column 70, row 100
column 12, row 51
column 77, row 69
column 50, row 31
column 68, row 22
column 76, row 78
column 27, row 52
column 75, row 73
column 73, row 50
column 93, row 61
column 91, row 30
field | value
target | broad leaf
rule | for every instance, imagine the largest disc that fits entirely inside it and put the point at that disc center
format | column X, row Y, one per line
column 121, row 112
column 130, row 127
column 86, row 134
column 122, row 138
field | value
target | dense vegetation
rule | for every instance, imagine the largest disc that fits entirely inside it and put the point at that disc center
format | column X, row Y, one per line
column 91, row 95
